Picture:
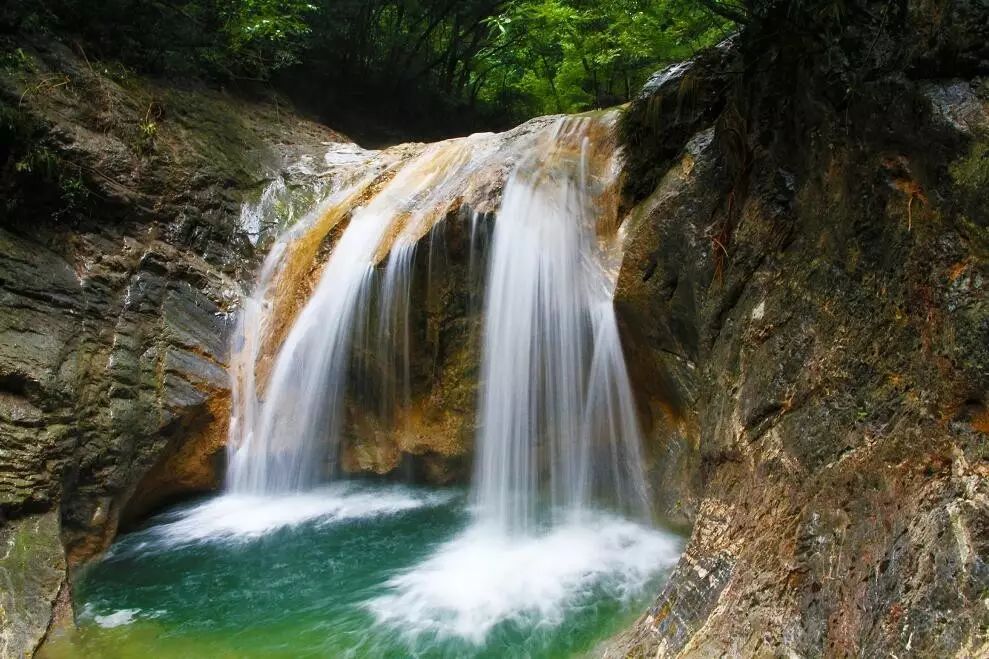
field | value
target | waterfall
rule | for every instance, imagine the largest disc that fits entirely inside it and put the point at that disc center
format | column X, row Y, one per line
column 291, row 433
column 288, row 412
column 557, row 419
column 557, row 445
column 557, row 423
column 249, row 467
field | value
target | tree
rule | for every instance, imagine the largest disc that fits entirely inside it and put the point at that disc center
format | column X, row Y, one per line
column 572, row 55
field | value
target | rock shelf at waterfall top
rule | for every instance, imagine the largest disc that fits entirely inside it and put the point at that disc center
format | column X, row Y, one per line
column 357, row 569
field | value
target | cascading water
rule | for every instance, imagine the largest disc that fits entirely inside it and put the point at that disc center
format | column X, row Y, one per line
column 534, row 566
column 279, row 443
column 258, row 321
column 286, row 430
column 558, row 432
column 556, row 409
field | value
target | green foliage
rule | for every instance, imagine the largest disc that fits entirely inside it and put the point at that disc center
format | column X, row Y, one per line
column 32, row 171
column 39, row 160
column 149, row 129
column 14, row 59
column 38, row 168
column 503, row 60
column 265, row 35
column 212, row 38
column 74, row 192
column 573, row 55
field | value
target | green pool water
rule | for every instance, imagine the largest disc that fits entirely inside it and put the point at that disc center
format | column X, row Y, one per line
column 361, row 570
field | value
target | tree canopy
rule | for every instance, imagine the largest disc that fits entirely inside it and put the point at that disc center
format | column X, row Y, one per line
column 493, row 61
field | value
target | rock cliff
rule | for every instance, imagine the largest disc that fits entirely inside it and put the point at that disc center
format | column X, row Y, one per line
column 122, row 255
column 805, row 306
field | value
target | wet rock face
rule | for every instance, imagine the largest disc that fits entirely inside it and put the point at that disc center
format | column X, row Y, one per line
column 122, row 259
column 32, row 572
column 428, row 437
column 107, row 363
column 805, row 317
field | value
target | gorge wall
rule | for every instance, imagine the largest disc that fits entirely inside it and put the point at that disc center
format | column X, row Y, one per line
column 805, row 307
column 122, row 255
column 133, row 226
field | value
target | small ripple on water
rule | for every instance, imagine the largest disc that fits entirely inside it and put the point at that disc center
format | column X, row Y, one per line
column 117, row 618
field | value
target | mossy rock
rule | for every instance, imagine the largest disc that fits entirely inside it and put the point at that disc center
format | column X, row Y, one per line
column 32, row 571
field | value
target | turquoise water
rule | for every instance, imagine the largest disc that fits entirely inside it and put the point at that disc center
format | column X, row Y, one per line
column 361, row 570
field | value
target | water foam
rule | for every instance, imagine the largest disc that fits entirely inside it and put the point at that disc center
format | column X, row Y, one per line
column 242, row 517
column 117, row 618
column 484, row 577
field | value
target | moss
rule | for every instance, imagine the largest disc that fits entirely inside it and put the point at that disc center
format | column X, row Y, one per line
column 26, row 542
column 971, row 172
